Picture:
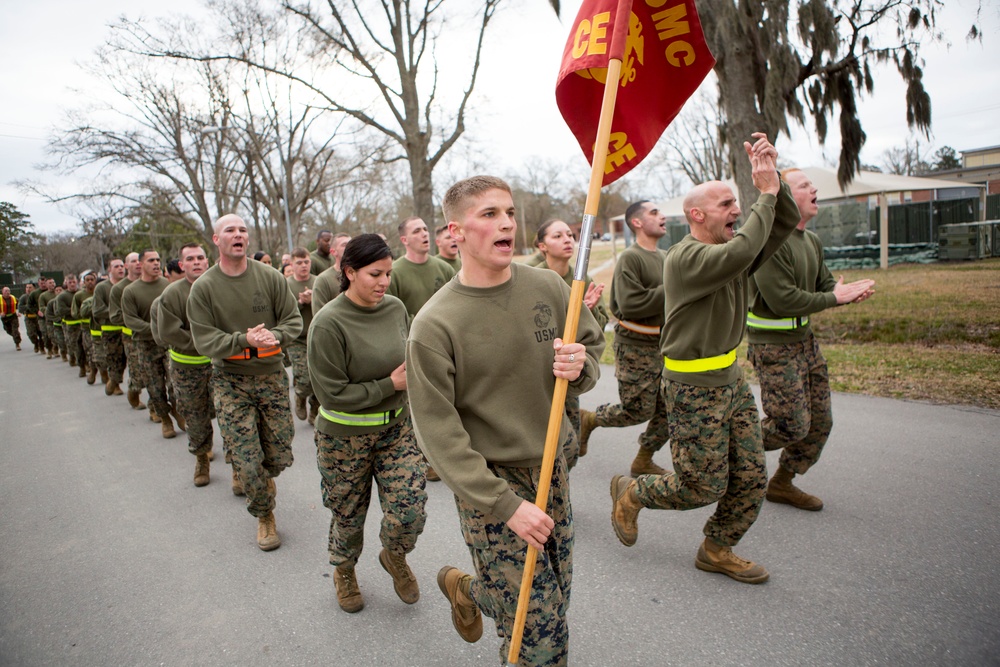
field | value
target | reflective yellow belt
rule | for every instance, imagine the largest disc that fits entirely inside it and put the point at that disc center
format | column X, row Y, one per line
column 640, row 328
column 349, row 419
column 700, row 365
column 782, row 324
column 96, row 333
column 110, row 327
column 127, row 331
column 193, row 360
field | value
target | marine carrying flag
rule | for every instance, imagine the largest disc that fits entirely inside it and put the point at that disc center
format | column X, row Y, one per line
column 664, row 59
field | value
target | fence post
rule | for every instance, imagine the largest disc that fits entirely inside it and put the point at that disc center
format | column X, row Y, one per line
column 883, row 231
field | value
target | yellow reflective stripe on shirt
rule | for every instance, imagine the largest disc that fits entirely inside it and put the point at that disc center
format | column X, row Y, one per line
column 350, row 419
column 700, row 365
column 781, row 324
column 194, row 360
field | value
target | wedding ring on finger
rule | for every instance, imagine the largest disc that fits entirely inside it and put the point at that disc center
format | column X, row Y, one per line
column 572, row 358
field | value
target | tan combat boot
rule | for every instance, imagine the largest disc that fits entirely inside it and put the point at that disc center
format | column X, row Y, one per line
column 63, row 356
column 155, row 418
column 403, row 580
column 781, row 490
column 133, row 400
column 313, row 410
column 432, row 475
column 588, row 422
column 237, row 484
column 643, row 464
column 714, row 557
column 201, row 477
column 104, row 376
column 267, row 533
column 83, row 371
column 624, row 509
column 166, row 426
column 91, row 374
column 348, row 594
column 465, row 615
column 300, row 407
column 181, row 424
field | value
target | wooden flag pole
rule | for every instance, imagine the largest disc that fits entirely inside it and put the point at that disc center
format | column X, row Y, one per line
column 569, row 336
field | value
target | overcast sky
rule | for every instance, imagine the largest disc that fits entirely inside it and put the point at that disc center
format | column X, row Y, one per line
column 516, row 117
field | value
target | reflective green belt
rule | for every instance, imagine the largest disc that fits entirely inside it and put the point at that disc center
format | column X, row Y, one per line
column 193, row 360
column 350, row 419
column 127, row 331
column 782, row 324
column 700, row 365
column 110, row 327
column 74, row 323
column 96, row 333
column 57, row 324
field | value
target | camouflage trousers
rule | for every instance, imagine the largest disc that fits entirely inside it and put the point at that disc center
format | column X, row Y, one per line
column 60, row 338
column 296, row 351
column 74, row 344
column 498, row 556
column 795, row 393
column 152, row 374
column 98, row 356
column 193, row 394
column 114, row 354
column 638, row 369
column 34, row 331
column 135, row 380
column 717, row 456
column 571, row 446
column 13, row 328
column 255, row 421
column 44, row 341
column 348, row 465
column 87, row 343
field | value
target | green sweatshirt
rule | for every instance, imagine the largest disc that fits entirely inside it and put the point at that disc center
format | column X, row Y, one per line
column 707, row 288
column 64, row 306
column 455, row 264
column 102, row 297
column 637, row 293
column 352, row 352
column 221, row 308
column 171, row 322
column 115, row 302
column 479, row 375
column 599, row 312
column 793, row 283
column 305, row 309
column 51, row 316
column 414, row 284
column 78, row 298
column 318, row 264
column 326, row 287
column 43, row 300
column 137, row 299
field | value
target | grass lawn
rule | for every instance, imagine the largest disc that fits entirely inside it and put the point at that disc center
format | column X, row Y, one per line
column 931, row 332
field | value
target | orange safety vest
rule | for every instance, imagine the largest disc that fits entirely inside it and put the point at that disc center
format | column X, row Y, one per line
column 8, row 305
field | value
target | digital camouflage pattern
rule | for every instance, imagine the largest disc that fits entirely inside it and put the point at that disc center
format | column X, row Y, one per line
column 74, row 343
column 347, row 467
column 193, row 392
column 296, row 351
column 136, row 380
column 114, row 354
column 34, row 332
column 59, row 336
column 255, row 421
column 571, row 446
column 795, row 393
column 638, row 369
column 152, row 360
column 498, row 556
column 717, row 455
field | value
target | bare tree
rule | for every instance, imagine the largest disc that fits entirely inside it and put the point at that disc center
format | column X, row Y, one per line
column 908, row 160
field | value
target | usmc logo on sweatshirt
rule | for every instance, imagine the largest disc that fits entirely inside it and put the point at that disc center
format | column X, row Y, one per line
column 543, row 318
column 260, row 304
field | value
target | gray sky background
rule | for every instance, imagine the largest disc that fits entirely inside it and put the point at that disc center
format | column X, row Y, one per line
column 515, row 120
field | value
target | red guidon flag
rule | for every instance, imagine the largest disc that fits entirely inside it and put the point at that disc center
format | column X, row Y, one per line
column 664, row 59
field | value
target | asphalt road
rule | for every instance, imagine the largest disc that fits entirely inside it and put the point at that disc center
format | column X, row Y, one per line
column 110, row 556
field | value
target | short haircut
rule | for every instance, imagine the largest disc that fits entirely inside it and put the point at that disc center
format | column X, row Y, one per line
column 259, row 255
column 441, row 229
column 544, row 228
column 193, row 244
column 360, row 252
column 634, row 209
column 225, row 220
column 145, row 252
column 402, row 226
column 174, row 266
column 321, row 232
column 456, row 200
column 299, row 252
column 785, row 172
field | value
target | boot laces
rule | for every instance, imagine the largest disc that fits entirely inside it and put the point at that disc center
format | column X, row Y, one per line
column 399, row 566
